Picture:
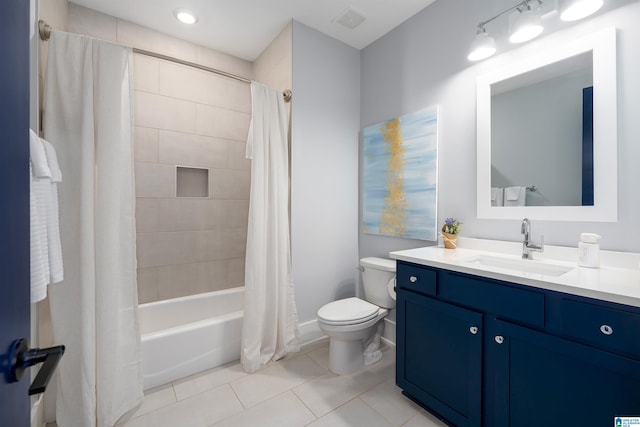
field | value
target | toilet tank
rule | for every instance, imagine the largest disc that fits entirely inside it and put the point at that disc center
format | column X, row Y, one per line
column 376, row 275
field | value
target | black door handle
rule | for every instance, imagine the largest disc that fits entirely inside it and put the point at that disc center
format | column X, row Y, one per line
column 21, row 357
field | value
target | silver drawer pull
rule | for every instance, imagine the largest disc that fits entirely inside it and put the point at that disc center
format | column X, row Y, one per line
column 606, row 329
column 499, row 339
column 413, row 279
column 473, row 330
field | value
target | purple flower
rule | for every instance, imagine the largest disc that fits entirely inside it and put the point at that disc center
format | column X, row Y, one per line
column 451, row 226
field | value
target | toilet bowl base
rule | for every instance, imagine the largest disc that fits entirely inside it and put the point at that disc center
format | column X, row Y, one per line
column 345, row 357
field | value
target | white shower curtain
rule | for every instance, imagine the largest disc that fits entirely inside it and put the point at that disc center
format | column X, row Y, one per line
column 88, row 118
column 270, row 328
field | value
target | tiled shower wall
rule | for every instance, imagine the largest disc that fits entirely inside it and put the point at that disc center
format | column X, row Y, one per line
column 189, row 118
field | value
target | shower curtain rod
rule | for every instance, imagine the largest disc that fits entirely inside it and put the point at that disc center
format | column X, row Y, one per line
column 45, row 33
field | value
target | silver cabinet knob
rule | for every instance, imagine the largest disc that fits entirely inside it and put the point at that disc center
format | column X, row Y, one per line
column 606, row 329
column 413, row 279
column 473, row 330
column 499, row 339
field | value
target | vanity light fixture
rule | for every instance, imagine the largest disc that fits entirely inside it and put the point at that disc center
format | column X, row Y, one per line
column 483, row 46
column 527, row 26
column 578, row 9
column 185, row 16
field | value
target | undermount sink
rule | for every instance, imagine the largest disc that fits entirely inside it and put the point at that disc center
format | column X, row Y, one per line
column 521, row 265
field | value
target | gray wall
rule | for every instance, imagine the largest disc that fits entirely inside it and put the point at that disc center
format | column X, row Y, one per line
column 324, row 184
column 423, row 62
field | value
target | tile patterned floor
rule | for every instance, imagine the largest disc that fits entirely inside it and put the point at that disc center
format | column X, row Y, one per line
column 297, row 391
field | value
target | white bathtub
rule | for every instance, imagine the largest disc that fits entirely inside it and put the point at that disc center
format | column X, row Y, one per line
column 183, row 336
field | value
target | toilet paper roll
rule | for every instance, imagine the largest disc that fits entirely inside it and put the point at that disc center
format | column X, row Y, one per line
column 391, row 288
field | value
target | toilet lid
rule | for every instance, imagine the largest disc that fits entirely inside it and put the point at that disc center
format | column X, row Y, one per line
column 348, row 310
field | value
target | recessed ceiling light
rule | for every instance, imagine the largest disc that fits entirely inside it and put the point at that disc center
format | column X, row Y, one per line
column 185, row 16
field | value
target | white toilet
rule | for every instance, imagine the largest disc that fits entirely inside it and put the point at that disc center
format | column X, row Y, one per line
column 349, row 321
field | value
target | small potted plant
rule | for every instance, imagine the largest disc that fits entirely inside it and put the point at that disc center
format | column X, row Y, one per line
column 450, row 230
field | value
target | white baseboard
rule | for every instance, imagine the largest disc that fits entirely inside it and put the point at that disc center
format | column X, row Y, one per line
column 310, row 332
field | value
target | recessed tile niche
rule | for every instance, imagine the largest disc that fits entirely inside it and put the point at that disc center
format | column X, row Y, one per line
column 192, row 182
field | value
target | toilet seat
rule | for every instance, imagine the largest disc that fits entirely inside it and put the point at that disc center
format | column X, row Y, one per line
column 347, row 311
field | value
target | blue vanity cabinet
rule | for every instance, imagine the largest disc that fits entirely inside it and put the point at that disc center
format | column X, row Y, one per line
column 440, row 364
column 544, row 380
column 483, row 352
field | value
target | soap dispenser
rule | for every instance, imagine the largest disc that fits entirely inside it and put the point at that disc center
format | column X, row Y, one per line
column 589, row 250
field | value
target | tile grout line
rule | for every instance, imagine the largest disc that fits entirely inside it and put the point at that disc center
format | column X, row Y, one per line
column 191, row 101
column 244, row 408
column 305, row 405
column 378, row 412
column 134, row 416
column 175, row 394
column 219, row 138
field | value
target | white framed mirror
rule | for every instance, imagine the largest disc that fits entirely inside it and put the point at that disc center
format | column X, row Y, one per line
column 547, row 135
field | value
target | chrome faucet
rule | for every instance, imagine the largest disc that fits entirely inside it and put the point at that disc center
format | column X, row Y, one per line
column 528, row 247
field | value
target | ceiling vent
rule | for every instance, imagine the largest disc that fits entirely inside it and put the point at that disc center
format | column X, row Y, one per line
column 350, row 18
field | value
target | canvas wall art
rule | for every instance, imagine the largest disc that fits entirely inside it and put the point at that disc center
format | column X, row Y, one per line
column 400, row 173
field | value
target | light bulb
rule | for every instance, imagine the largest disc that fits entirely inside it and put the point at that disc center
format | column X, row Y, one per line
column 482, row 47
column 578, row 9
column 527, row 26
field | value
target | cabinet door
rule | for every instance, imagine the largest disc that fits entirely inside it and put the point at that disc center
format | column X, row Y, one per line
column 543, row 380
column 439, row 363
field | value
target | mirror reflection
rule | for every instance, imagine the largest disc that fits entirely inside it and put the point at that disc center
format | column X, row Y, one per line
column 542, row 136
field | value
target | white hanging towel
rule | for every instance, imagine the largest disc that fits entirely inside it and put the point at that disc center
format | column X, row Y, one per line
column 39, row 196
column 53, row 221
column 515, row 196
column 46, row 251
column 497, row 196
column 38, row 156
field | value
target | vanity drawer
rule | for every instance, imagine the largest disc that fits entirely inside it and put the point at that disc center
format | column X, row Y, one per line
column 416, row 278
column 610, row 328
column 510, row 302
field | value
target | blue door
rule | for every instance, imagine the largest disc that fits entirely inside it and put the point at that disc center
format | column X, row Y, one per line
column 14, row 200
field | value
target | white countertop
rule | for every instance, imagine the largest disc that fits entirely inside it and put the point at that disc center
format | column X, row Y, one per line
column 617, row 280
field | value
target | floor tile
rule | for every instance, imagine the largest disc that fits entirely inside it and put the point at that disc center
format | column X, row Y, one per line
column 208, row 380
column 387, row 366
column 284, row 410
column 198, row 411
column 295, row 391
column 155, row 399
column 354, row 414
column 329, row 391
column 276, row 379
column 322, row 342
column 320, row 356
column 424, row 419
column 388, row 401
